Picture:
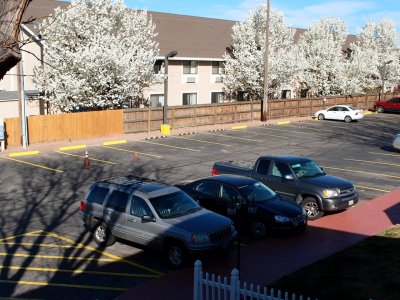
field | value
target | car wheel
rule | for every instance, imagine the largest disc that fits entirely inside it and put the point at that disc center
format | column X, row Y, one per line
column 347, row 119
column 380, row 109
column 102, row 235
column 312, row 208
column 176, row 254
column 321, row 117
column 258, row 229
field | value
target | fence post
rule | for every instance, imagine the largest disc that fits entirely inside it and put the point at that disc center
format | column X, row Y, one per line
column 298, row 109
column 149, row 120
column 234, row 285
column 197, row 286
column 234, row 116
column 251, row 109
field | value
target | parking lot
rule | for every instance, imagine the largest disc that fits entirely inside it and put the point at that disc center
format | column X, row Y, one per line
column 45, row 249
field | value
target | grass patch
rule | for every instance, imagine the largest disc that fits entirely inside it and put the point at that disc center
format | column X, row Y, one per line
column 367, row 270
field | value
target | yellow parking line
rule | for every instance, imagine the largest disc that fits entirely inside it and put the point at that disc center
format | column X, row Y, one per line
column 233, row 137
column 287, row 130
column 115, row 257
column 19, row 235
column 170, row 146
column 364, row 172
column 372, row 162
column 31, row 164
column 366, row 113
column 370, row 188
column 41, row 283
column 131, row 151
column 239, row 127
column 91, row 158
column 57, row 270
column 56, row 257
column 186, row 138
column 283, row 123
column 72, row 147
column 114, row 142
column 43, row 245
column 386, row 154
column 15, row 154
column 263, row 134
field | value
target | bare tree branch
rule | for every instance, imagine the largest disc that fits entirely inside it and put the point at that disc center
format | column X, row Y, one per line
column 11, row 12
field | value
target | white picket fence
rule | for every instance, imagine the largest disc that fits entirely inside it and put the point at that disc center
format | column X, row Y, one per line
column 206, row 288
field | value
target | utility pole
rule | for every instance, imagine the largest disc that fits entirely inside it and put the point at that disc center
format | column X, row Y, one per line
column 264, row 102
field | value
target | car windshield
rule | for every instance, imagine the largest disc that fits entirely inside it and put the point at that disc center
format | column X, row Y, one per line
column 307, row 169
column 174, row 205
column 257, row 192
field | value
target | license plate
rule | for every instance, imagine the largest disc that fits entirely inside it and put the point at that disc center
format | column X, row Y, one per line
column 351, row 202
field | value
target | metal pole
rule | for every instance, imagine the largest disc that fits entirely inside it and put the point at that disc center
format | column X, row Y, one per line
column 22, row 105
column 165, row 108
column 264, row 102
column 383, row 81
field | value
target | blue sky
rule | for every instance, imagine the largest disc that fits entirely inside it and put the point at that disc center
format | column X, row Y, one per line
column 299, row 13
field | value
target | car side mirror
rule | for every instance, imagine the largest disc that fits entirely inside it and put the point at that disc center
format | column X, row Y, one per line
column 289, row 177
column 147, row 218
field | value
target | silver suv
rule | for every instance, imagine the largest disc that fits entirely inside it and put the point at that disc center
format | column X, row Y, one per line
column 155, row 215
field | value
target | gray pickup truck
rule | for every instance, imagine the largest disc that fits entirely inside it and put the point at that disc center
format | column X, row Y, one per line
column 296, row 178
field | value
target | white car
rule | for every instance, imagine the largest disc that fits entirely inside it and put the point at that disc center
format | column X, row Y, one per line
column 346, row 113
column 396, row 141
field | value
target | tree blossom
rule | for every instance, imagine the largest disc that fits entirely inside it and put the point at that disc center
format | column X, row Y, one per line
column 375, row 56
column 244, row 68
column 321, row 46
column 98, row 54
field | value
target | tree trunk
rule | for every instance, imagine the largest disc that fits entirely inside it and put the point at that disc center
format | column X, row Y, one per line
column 11, row 12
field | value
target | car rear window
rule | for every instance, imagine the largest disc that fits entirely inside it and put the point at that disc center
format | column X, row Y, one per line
column 118, row 201
column 97, row 195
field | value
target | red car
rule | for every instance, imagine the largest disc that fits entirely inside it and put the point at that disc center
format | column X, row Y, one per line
column 390, row 105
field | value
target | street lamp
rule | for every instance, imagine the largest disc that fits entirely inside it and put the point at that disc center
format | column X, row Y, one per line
column 165, row 109
column 383, row 74
column 234, row 211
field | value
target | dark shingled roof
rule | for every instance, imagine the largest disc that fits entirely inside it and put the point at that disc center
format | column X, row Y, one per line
column 192, row 37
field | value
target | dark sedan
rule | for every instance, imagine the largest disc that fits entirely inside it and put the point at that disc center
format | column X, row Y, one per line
column 259, row 208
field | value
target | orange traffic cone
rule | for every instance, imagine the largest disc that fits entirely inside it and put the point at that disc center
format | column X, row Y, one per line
column 86, row 161
column 136, row 156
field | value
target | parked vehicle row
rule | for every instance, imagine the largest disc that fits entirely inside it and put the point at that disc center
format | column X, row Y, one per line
column 298, row 179
column 274, row 194
column 154, row 215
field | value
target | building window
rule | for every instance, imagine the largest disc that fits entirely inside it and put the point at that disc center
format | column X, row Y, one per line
column 158, row 66
column 286, row 94
column 243, row 96
column 189, row 99
column 218, row 67
column 217, row 97
column 190, row 67
column 156, row 100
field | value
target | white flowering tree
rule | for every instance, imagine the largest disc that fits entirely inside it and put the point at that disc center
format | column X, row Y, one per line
column 321, row 46
column 98, row 54
column 244, row 68
column 374, row 57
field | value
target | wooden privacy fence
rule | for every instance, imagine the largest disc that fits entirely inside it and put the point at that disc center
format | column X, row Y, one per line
column 146, row 120
column 215, row 287
column 65, row 127
column 76, row 126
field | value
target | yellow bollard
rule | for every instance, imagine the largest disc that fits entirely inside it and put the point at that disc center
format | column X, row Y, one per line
column 165, row 129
